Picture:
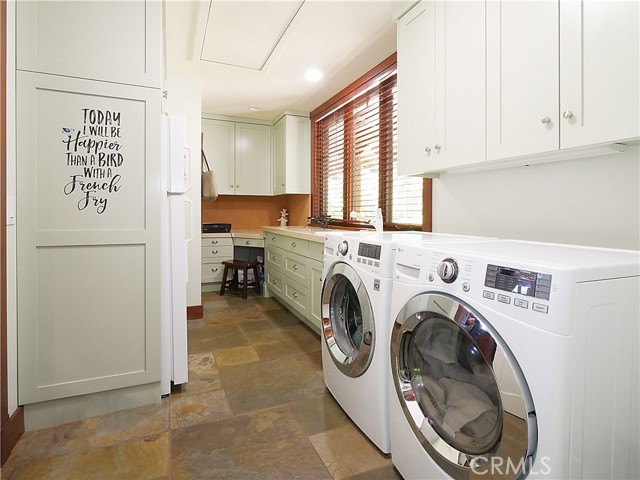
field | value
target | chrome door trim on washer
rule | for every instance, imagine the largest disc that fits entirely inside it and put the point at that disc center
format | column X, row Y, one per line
column 450, row 394
column 347, row 320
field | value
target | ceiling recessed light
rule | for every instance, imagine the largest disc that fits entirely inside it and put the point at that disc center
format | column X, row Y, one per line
column 313, row 75
column 255, row 109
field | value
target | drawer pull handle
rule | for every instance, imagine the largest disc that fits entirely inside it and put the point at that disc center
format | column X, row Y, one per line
column 295, row 294
column 248, row 242
column 274, row 258
column 273, row 239
column 214, row 242
column 214, row 269
column 293, row 244
column 214, row 252
column 295, row 267
column 275, row 281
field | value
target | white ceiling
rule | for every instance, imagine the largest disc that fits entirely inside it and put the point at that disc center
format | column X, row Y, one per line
column 255, row 53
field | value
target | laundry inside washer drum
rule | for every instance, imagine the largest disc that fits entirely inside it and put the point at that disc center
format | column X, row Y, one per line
column 349, row 331
column 453, row 385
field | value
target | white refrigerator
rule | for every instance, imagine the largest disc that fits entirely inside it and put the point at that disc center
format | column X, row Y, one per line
column 175, row 155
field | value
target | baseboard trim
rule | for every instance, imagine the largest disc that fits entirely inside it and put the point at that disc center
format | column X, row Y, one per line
column 195, row 312
column 12, row 430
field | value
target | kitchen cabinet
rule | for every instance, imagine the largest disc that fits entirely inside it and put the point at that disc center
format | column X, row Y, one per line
column 112, row 42
column 441, row 86
column 292, row 155
column 293, row 271
column 561, row 78
column 214, row 251
column 240, row 155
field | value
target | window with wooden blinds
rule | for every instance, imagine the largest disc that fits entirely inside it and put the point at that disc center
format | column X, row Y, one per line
column 355, row 141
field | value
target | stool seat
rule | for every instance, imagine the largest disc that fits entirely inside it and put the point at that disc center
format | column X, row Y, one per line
column 239, row 265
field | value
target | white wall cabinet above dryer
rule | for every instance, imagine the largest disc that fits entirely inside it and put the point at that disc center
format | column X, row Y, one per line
column 561, row 78
column 292, row 155
column 240, row 155
column 114, row 42
column 441, row 86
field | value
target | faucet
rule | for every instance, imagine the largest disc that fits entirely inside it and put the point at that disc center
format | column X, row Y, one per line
column 321, row 219
column 377, row 221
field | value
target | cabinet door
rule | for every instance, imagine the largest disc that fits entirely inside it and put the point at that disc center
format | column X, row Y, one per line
column 109, row 41
column 522, row 78
column 599, row 72
column 89, row 256
column 253, row 159
column 460, row 80
column 218, row 143
column 280, row 157
column 315, row 290
column 416, row 90
column 298, row 155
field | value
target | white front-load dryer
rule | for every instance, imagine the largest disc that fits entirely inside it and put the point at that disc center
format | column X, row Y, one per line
column 514, row 359
column 356, row 302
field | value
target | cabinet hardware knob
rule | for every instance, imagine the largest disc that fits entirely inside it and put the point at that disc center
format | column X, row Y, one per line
column 295, row 267
column 214, row 252
column 428, row 149
column 545, row 120
column 283, row 184
column 248, row 242
column 214, row 242
column 567, row 114
column 295, row 294
column 293, row 244
column 274, row 258
column 275, row 281
column 214, row 269
column 437, row 147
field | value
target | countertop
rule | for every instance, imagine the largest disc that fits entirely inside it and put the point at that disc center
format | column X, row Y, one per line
column 253, row 233
column 308, row 233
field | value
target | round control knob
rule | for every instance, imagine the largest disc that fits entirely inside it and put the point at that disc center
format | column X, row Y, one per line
column 448, row 270
column 343, row 247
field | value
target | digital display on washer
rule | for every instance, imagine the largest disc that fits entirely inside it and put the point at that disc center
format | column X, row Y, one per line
column 523, row 282
column 369, row 250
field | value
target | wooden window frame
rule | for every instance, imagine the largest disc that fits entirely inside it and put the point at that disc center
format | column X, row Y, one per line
column 337, row 101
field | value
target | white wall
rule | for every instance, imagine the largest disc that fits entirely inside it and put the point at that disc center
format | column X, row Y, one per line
column 592, row 201
column 183, row 96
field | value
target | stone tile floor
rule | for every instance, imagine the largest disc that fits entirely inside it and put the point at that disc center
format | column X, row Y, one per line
column 255, row 407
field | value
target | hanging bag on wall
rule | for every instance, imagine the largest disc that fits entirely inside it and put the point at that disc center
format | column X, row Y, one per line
column 209, row 189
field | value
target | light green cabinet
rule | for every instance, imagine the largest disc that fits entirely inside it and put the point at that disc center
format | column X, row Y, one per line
column 293, row 271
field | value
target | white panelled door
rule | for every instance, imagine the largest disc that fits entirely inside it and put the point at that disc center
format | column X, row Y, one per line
column 88, row 180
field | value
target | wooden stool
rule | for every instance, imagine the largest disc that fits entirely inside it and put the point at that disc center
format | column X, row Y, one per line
column 235, row 266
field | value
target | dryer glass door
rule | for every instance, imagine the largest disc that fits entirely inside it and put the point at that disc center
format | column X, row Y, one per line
column 449, row 366
column 347, row 320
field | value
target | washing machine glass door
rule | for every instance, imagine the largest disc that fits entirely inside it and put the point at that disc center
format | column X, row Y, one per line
column 347, row 320
column 450, row 370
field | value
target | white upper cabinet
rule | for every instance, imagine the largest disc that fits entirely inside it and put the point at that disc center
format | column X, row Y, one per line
column 253, row 159
column 292, row 155
column 116, row 42
column 240, row 155
column 599, row 72
column 441, row 86
column 560, row 75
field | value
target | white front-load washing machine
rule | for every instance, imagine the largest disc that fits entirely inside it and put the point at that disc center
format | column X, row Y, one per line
column 356, row 302
column 514, row 359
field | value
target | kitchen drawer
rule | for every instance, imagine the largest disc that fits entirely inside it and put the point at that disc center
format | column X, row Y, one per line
column 273, row 239
column 275, row 259
column 212, row 272
column 224, row 252
column 275, row 282
column 216, row 241
column 296, row 267
column 315, row 250
column 297, row 296
column 287, row 242
column 248, row 242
